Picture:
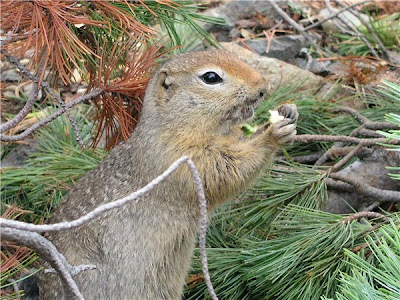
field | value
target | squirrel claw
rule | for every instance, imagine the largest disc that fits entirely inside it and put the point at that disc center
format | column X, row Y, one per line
column 284, row 131
column 289, row 111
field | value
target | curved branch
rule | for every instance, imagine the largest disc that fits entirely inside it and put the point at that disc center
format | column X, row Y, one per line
column 346, row 158
column 203, row 227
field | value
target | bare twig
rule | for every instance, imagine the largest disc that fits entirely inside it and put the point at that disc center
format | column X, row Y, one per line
column 365, row 121
column 364, row 214
column 32, row 229
column 363, row 189
column 370, row 29
column 269, row 35
column 380, row 125
column 28, row 106
column 354, row 113
column 336, row 14
column 305, row 159
column 306, row 138
column 73, row 270
column 367, row 132
column 309, row 61
column 346, row 158
column 372, row 206
column 50, row 118
column 24, row 111
column 99, row 210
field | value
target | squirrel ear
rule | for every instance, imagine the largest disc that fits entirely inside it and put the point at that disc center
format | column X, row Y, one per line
column 165, row 83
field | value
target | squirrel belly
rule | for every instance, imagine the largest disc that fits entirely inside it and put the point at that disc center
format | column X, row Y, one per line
column 195, row 105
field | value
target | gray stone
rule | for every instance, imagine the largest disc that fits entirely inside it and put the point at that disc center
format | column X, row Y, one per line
column 276, row 72
column 394, row 57
column 17, row 155
column 338, row 68
column 233, row 11
column 316, row 67
column 28, row 89
column 282, row 47
column 10, row 75
column 370, row 170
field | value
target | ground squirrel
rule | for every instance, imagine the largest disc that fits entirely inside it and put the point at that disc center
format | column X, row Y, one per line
column 195, row 105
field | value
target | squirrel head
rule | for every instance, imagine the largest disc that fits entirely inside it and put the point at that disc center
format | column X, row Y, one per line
column 209, row 89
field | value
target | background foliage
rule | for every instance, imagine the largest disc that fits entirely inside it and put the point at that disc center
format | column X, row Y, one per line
column 274, row 242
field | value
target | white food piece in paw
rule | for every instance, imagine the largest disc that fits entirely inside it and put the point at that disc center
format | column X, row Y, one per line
column 275, row 117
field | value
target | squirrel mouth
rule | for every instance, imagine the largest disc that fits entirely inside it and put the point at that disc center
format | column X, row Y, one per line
column 240, row 113
column 247, row 112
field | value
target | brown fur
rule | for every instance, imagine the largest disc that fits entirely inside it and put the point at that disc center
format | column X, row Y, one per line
column 143, row 250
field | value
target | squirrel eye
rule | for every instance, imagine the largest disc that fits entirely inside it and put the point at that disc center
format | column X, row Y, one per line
column 211, row 78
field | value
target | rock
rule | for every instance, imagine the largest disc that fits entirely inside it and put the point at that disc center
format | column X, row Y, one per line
column 339, row 69
column 275, row 71
column 394, row 57
column 8, row 94
column 333, row 24
column 236, row 10
column 282, row 47
column 10, row 75
column 316, row 67
column 370, row 170
column 28, row 89
column 234, row 33
column 18, row 154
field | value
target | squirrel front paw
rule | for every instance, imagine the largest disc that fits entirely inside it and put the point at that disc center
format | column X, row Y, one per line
column 284, row 131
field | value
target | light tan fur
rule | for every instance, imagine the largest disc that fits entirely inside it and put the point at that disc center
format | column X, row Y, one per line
column 143, row 250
